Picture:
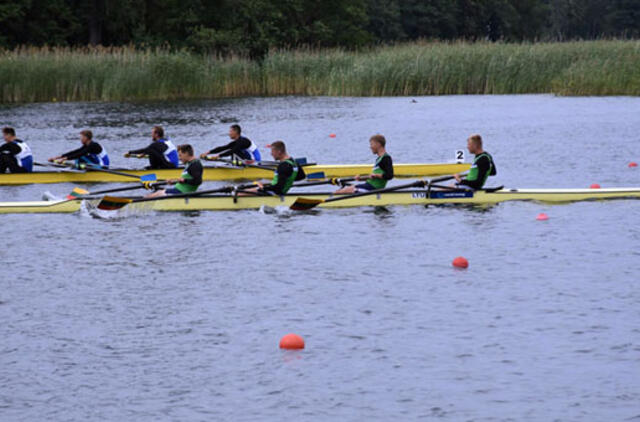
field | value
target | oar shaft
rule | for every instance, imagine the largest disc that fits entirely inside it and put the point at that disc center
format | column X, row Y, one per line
column 417, row 184
column 119, row 173
column 127, row 188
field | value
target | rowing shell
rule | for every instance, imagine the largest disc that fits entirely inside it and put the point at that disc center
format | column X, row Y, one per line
column 412, row 197
column 229, row 173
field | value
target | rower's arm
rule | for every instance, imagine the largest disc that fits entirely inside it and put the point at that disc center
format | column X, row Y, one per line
column 386, row 164
column 153, row 147
column 10, row 148
column 76, row 153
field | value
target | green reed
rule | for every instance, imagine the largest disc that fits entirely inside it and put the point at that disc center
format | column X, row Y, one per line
column 423, row 68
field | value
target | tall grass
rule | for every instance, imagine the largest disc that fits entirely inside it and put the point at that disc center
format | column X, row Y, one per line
column 114, row 74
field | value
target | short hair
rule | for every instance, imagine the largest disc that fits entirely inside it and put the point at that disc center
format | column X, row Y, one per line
column 185, row 149
column 87, row 133
column 159, row 131
column 476, row 139
column 9, row 131
column 236, row 128
column 279, row 146
column 379, row 139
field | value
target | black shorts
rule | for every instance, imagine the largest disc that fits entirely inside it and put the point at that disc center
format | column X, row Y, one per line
column 364, row 187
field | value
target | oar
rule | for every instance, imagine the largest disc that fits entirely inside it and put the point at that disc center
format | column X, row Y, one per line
column 78, row 193
column 59, row 167
column 144, row 178
column 303, row 204
column 243, row 164
column 114, row 203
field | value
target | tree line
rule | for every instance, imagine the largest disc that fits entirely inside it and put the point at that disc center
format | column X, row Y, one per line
column 252, row 27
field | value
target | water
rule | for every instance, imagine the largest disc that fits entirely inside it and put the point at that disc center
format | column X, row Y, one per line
column 178, row 316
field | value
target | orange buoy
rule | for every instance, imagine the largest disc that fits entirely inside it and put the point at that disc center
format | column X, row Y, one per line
column 633, row 164
column 460, row 262
column 332, row 135
column 542, row 217
column 291, row 342
column 595, row 186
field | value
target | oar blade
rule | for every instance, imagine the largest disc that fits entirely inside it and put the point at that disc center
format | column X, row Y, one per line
column 112, row 203
column 148, row 177
column 77, row 192
column 304, row 204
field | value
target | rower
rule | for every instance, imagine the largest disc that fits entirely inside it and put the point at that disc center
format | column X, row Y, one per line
column 161, row 151
column 382, row 169
column 89, row 153
column 482, row 167
column 239, row 147
column 190, row 178
column 287, row 172
column 15, row 154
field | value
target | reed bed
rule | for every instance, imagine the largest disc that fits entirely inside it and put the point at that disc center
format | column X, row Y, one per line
column 423, row 68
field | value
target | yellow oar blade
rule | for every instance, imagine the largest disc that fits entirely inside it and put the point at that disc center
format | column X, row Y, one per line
column 304, row 204
column 111, row 203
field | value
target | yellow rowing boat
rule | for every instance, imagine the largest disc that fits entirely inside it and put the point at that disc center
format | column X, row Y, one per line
column 407, row 197
column 227, row 173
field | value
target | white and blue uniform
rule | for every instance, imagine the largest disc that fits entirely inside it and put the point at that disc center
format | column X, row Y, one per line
column 171, row 153
column 19, row 156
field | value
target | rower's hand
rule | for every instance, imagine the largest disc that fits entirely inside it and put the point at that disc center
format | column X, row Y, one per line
column 260, row 185
column 172, row 181
column 457, row 177
column 127, row 154
column 204, row 155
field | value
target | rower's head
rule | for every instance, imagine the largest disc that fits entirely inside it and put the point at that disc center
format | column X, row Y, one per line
column 86, row 136
column 474, row 144
column 377, row 144
column 278, row 150
column 9, row 134
column 185, row 153
column 234, row 132
column 157, row 133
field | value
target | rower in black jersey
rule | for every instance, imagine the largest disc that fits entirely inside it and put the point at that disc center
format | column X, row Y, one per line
column 90, row 152
column 482, row 167
column 161, row 151
column 239, row 147
column 288, row 172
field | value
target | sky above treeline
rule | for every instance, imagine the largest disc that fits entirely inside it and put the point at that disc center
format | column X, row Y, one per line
column 252, row 27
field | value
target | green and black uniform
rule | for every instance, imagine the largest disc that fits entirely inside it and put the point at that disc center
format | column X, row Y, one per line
column 482, row 168
column 192, row 175
column 288, row 171
column 383, row 166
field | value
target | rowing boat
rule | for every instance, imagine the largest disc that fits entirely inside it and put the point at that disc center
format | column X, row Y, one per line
column 227, row 173
column 409, row 197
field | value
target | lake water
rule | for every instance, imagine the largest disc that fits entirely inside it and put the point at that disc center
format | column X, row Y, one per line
column 178, row 316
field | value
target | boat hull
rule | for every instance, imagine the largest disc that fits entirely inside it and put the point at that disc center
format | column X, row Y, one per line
column 413, row 197
column 227, row 173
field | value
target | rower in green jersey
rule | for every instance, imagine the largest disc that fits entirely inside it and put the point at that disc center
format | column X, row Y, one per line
column 482, row 167
column 190, row 178
column 288, row 171
column 382, row 169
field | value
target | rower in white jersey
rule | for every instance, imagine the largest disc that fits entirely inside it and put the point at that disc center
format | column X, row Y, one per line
column 15, row 154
